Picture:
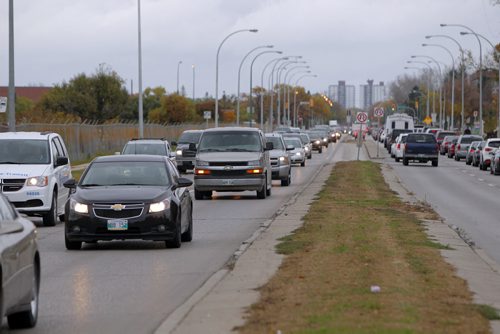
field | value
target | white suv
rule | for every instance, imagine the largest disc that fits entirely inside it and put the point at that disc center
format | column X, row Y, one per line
column 33, row 169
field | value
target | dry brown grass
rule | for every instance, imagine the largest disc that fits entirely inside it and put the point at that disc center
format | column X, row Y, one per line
column 356, row 235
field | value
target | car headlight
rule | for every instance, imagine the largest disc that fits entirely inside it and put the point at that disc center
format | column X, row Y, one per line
column 178, row 152
column 160, row 206
column 317, row 142
column 283, row 159
column 78, row 207
column 298, row 154
column 37, row 181
column 201, row 163
column 325, row 139
column 254, row 163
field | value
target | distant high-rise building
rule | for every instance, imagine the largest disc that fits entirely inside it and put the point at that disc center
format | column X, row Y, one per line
column 343, row 94
column 370, row 94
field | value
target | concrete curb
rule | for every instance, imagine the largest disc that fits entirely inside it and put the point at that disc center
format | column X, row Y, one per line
column 293, row 221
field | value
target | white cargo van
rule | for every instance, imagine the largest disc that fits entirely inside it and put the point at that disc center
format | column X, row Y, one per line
column 398, row 121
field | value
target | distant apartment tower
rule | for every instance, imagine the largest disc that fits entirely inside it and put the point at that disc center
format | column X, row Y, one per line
column 343, row 94
column 370, row 94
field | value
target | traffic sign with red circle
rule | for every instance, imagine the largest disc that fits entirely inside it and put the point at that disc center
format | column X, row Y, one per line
column 379, row 112
column 361, row 117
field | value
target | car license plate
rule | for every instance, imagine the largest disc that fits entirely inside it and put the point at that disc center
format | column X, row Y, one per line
column 117, row 225
column 228, row 182
column 421, row 155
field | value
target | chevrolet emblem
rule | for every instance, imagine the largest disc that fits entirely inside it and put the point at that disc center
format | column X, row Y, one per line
column 228, row 167
column 117, row 207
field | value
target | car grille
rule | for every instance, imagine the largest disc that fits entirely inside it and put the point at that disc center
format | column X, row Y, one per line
column 188, row 154
column 226, row 173
column 118, row 211
column 274, row 162
column 229, row 163
column 10, row 185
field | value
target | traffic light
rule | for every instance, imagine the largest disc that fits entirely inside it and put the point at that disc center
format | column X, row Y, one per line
column 393, row 108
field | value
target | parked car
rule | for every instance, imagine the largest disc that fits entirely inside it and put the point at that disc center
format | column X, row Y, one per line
column 185, row 158
column 297, row 155
column 33, row 168
column 400, row 146
column 443, row 148
column 20, row 264
column 477, row 154
column 451, row 148
column 421, row 147
column 129, row 197
column 485, row 155
column 441, row 134
column 280, row 162
column 495, row 162
column 151, row 146
column 470, row 153
column 463, row 144
column 232, row 159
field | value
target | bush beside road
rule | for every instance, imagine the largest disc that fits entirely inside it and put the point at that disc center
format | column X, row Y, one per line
column 358, row 234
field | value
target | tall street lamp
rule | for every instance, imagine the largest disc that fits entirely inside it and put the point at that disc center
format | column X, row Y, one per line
column 194, row 76
column 498, row 55
column 239, row 76
column 480, row 72
column 297, row 82
column 262, row 93
column 440, row 86
column 250, row 95
column 278, row 74
column 428, row 85
column 11, row 101
column 271, row 90
column 452, row 80
column 430, row 81
column 217, row 72
column 178, row 67
column 141, row 116
column 294, row 96
column 287, row 89
column 462, row 114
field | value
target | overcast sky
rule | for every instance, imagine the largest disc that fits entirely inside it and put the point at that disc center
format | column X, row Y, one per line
column 352, row 40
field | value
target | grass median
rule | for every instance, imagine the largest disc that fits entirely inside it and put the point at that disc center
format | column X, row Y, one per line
column 358, row 234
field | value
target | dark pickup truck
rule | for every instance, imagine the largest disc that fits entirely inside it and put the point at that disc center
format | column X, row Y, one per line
column 421, row 147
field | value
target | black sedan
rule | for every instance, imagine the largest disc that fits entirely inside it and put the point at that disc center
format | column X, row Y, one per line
column 19, row 267
column 129, row 197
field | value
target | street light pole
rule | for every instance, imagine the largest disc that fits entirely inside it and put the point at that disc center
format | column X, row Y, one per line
column 481, row 127
column 193, row 67
column 289, row 83
column 11, row 101
column 462, row 115
column 239, row 76
column 271, row 79
column 141, row 116
column 262, row 93
column 498, row 56
column 287, row 90
column 452, row 81
column 178, row 66
column 217, row 72
column 251, row 88
column 296, row 83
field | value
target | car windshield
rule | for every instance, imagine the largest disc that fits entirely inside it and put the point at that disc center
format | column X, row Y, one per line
column 230, row 141
column 305, row 138
column 25, row 151
column 468, row 140
column 277, row 143
column 190, row 138
column 135, row 173
column 295, row 142
column 420, row 138
column 146, row 148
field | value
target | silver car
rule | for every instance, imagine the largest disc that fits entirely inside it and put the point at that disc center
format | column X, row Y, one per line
column 462, row 145
column 20, row 264
column 280, row 162
column 232, row 159
column 298, row 154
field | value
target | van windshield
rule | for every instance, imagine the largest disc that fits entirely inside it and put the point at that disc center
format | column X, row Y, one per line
column 24, row 152
column 230, row 141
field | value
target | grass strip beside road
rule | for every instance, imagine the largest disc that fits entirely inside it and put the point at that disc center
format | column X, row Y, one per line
column 359, row 234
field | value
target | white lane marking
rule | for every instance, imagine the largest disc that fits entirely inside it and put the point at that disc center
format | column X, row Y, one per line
column 491, row 185
column 482, row 180
column 472, row 175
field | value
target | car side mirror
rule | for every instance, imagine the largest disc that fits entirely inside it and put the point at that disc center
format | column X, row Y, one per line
column 269, row 146
column 70, row 184
column 183, row 182
column 290, row 148
column 61, row 161
column 192, row 147
column 172, row 155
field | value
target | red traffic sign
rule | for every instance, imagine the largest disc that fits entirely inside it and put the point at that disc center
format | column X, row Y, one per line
column 361, row 117
column 379, row 112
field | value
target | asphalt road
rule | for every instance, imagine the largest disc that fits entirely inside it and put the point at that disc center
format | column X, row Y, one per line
column 131, row 286
column 463, row 195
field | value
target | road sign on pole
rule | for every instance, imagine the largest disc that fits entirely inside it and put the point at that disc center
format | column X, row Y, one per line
column 361, row 117
column 379, row 112
column 3, row 104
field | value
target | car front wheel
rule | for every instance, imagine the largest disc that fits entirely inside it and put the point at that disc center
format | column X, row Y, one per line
column 28, row 318
column 50, row 218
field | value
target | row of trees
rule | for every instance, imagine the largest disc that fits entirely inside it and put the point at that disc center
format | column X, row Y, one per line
column 102, row 97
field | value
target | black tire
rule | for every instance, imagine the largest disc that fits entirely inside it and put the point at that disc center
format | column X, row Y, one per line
column 72, row 245
column 320, row 150
column 435, row 163
column 491, row 170
column 188, row 235
column 181, row 170
column 286, row 182
column 268, row 191
column 62, row 218
column 397, row 159
column 405, row 161
column 303, row 163
column 176, row 241
column 457, row 158
column 198, row 194
column 27, row 319
column 481, row 166
column 468, row 162
column 309, row 156
column 261, row 194
column 50, row 218
column 208, row 194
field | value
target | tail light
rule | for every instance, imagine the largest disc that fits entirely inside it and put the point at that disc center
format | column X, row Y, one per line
column 471, row 150
column 488, row 149
column 255, row 171
column 458, row 147
column 437, row 147
column 399, row 146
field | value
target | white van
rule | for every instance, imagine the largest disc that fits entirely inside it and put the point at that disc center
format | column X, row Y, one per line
column 398, row 121
column 33, row 168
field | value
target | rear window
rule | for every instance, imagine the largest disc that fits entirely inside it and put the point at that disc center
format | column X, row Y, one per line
column 145, row 148
column 190, row 138
column 441, row 135
column 494, row 144
column 468, row 140
column 420, row 138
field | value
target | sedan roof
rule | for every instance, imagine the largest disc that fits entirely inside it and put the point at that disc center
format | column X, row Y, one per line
column 130, row 157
